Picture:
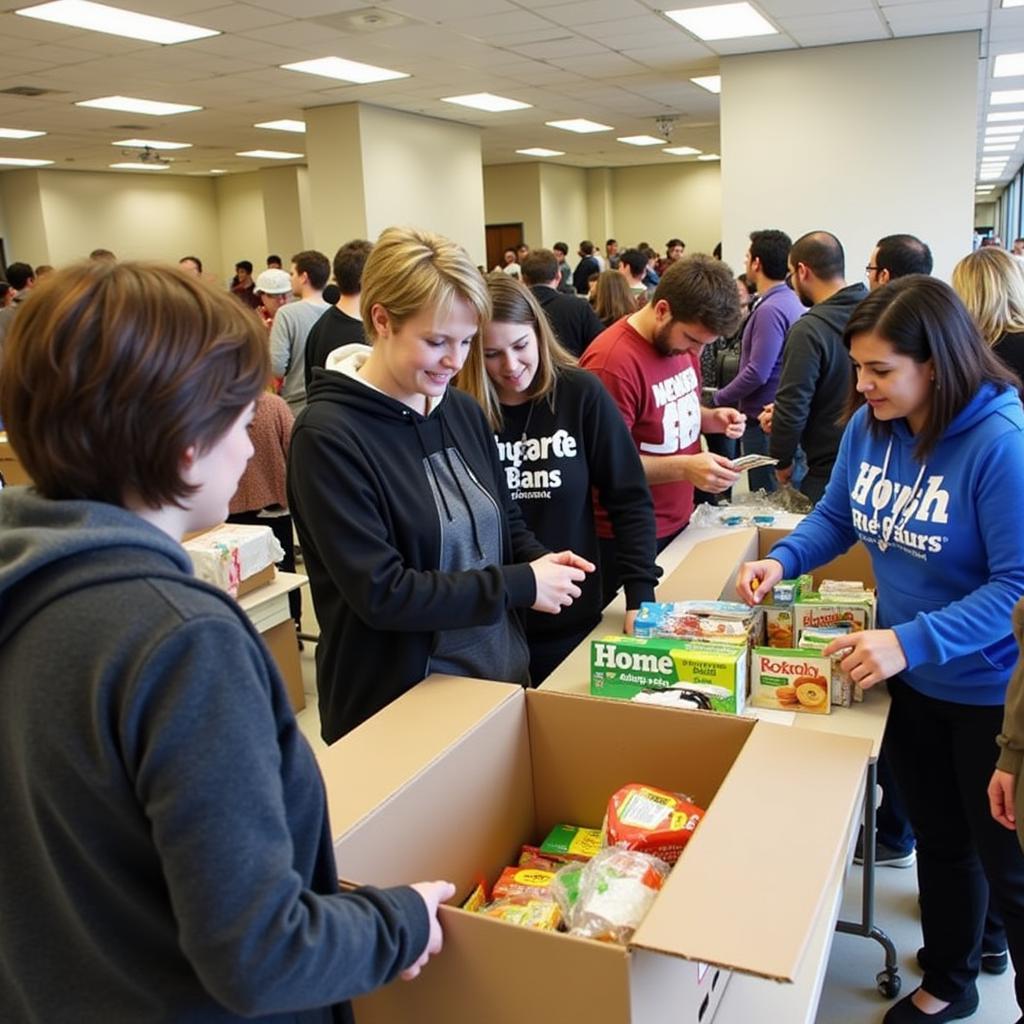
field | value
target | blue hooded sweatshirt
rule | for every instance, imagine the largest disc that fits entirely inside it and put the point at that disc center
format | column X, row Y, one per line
column 944, row 538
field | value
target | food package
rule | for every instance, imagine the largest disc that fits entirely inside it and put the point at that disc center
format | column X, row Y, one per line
column 617, row 888
column 687, row 674
column 477, row 899
column 566, row 887
column 532, row 857
column 518, row 881
column 526, row 911
column 717, row 621
column 826, row 610
column 818, row 640
column 232, row 553
column 790, row 680
column 651, row 820
column 778, row 611
column 571, row 842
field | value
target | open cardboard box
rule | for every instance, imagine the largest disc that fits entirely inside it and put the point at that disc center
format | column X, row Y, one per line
column 450, row 780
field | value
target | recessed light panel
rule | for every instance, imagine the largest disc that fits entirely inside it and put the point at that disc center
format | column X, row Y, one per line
column 284, row 125
column 271, row 154
column 486, row 101
column 18, row 133
column 17, row 161
column 1008, row 64
column 154, row 108
column 709, row 156
column 580, row 125
column 345, row 70
column 1008, row 148
column 640, row 140
column 682, row 151
column 541, row 151
column 151, row 144
column 1004, row 129
column 713, row 83
column 723, row 21
column 131, row 166
column 1001, row 97
column 116, row 21
column 1005, row 115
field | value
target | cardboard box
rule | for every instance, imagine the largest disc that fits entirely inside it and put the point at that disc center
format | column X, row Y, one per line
column 450, row 780
column 674, row 673
column 790, row 680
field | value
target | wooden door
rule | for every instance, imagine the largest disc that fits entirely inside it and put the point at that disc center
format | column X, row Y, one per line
column 499, row 238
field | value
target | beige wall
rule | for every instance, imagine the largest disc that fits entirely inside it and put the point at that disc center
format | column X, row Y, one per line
column 138, row 216
column 512, row 194
column 662, row 201
column 984, row 213
column 336, row 180
column 241, row 222
column 869, row 139
column 563, row 206
column 25, row 236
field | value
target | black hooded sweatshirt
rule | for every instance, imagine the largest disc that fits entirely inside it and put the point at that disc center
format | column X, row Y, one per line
column 815, row 384
column 362, row 489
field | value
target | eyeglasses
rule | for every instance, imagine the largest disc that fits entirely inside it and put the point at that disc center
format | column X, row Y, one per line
column 870, row 268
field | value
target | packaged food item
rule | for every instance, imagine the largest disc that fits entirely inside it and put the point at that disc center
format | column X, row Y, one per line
column 726, row 621
column 817, row 610
column 532, row 857
column 617, row 889
column 572, row 842
column 651, row 820
column 687, row 674
column 818, row 640
column 526, row 911
column 790, row 680
column 566, row 887
column 778, row 620
column 476, row 899
column 517, row 881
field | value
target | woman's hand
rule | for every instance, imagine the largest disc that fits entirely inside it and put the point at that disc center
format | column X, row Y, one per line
column 433, row 894
column 557, row 574
column 757, row 579
column 873, row 656
column 1001, row 797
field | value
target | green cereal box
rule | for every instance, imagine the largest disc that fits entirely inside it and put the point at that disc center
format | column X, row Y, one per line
column 689, row 674
column 573, row 841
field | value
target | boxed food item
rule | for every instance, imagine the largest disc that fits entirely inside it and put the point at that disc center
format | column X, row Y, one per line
column 790, row 680
column 817, row 610
column 456, row 775
column 520, row 881
column 677, row 673
column 572, row 842
column 778, row 610
column 717, row 621
column 818, row 640
column 651, row 820
column 542, row 913
column 235, row 557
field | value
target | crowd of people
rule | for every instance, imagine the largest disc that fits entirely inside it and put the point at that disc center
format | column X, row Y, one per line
column 474, row 464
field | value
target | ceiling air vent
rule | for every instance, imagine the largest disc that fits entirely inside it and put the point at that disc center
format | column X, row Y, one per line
column 366, row 19
column 27, row 90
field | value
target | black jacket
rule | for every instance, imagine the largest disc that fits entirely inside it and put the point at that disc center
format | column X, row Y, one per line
column 572, row 319
column 555, row 459
column 333, row 330
column 1010, row 349
column 815, row 384
column 581, row 275
column 371, row 538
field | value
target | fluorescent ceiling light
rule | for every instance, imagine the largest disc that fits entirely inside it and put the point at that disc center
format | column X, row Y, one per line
column 151, row 144
column 1000, row 97
column 1013, row 3
column 486, row 101
column 713, row 83
column 541, row 151
column 1008, row 64
column 723, row 21
column 682, row 151
column 284, row 125
column 130, row 166
column 992, row 148
column 580, row 125
column 345, row 70
column 990, row 175
column 271, row 154
column 640, row 140
column 18, row 133
column 217, row 170
column 116, row 21
column 1005, row 115
column 132, row 105
column 1004, row 129
column 709, row 156
column 15, row 161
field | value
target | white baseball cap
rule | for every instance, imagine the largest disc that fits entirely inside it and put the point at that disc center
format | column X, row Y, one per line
column 274, row 282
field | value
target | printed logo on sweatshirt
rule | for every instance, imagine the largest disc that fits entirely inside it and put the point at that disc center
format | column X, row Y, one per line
column 678, row 398
column 892, row 511
column 535, row 482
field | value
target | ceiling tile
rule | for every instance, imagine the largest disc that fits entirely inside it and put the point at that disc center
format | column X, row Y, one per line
column 818, row 29
column 437, row 11
column 578, row 15
column 574, row 45
column 240, row 17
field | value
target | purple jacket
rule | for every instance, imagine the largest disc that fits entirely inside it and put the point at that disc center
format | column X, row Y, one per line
column 761, row 352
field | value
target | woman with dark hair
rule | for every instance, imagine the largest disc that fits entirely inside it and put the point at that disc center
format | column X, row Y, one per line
column 612, row 298
column 561, row 437
column 929, row 466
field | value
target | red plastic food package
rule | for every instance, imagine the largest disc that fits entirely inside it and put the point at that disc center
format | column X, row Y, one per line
column 651, row 820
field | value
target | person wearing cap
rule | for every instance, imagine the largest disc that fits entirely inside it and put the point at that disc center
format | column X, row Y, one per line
column 274, row 288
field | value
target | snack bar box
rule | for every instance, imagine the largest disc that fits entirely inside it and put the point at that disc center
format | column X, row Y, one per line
column 451, row 779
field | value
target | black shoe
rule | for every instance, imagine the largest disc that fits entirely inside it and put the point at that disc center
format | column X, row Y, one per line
column 885, row 856
column 905, row 1012
column 991, row 963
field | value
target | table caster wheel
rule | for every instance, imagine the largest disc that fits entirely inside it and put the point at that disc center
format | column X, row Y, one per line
column 889, row 983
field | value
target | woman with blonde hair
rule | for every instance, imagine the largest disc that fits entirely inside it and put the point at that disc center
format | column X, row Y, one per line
column 990, row 282
column 612, row 298
column 418, row 559
column 559, row 437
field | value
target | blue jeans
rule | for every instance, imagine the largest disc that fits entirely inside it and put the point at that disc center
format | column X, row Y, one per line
column 755, row 442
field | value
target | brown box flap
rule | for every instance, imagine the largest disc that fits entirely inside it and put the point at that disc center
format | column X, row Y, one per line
column 748, row 889
column 710, row 568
